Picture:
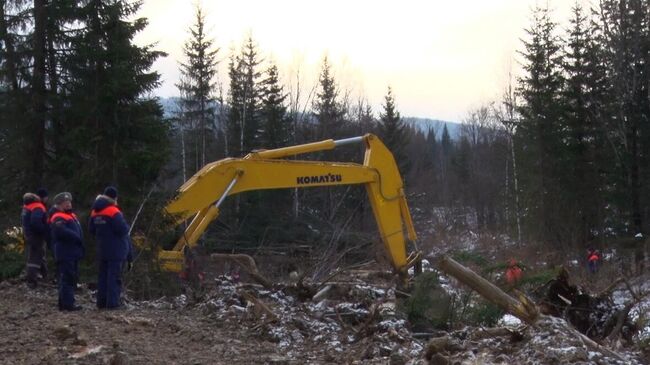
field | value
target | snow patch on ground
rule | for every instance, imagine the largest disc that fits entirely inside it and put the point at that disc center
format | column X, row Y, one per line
column 509, row 320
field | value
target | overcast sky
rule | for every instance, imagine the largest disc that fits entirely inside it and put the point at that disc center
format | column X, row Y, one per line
column 441, row 57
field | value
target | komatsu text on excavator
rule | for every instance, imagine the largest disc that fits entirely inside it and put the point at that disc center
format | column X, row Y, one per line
column 200, row 197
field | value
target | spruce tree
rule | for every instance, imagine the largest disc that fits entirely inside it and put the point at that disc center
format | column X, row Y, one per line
column 61, row 15
column 244, row 99
column 276, row 124
column 432, row 144
column 114, row 129
column 393, row 132
column 540, row 127
column 327, row 108
column 582, row 100
column 329, row 118
column 627, row 50
column 251, row 95
column 14, row 102
column 197, row 87
column 31, row 42
column 447, row 150
column 235, row 107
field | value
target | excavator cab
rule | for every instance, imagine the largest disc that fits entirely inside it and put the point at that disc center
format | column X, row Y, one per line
column 199, row 198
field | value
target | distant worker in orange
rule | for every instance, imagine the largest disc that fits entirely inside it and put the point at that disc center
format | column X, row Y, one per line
column 593, row 260
column 513, row 273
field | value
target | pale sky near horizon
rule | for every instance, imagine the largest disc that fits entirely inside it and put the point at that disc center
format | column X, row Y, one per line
column 440, row 57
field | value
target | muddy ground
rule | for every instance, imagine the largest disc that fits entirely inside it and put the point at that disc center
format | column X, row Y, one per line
column 230, row 322
column 356, row 322
column 219, row 330
column 33, row 331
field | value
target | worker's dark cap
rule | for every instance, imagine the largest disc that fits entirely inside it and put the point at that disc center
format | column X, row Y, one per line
column 111, row 192
column 42, row 193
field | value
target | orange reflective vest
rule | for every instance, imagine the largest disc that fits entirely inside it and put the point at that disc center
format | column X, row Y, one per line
column 513, row 275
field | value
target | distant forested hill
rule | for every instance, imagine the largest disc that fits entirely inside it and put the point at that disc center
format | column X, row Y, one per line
column 424, row 124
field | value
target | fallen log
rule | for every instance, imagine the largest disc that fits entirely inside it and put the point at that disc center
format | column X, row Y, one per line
column 521, row 309
column 496, row 332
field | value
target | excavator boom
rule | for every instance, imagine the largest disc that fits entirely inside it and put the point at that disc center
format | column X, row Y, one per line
column 200, row 197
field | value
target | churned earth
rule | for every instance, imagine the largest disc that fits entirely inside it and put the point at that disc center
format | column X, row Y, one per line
column 33, row 331
column 221, row 329
column 353, row 322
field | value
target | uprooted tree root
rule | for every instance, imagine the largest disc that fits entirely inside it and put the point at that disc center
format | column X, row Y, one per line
column 595, row 315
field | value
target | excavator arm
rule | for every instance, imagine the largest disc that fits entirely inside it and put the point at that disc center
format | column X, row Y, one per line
column 200, row 197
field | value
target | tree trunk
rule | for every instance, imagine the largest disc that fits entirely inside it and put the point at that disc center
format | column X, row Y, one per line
column 523, row 309
column 53, row 77
column 203, row 133
column 516, row 186
column 95, row 29
column 183, row 151
column 38, row 93
column 10, row 56
column 635, row 185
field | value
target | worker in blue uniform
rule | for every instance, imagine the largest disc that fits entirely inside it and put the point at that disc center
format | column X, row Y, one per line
column 36, row 233
column 114, row 247
column 67, row 242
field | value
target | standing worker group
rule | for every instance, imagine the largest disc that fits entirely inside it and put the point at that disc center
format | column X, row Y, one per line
column 62, row 232
column 113, row 247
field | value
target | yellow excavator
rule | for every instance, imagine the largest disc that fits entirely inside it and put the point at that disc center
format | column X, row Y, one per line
column 199, row 197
